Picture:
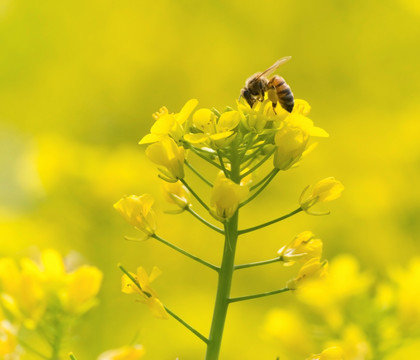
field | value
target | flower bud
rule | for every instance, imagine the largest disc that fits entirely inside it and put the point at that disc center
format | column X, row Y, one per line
column 291, row 142
column 169, row 155
column 311, row 270
column 137, row 211
column 302, row 248
column 325, row 190
column 225, row 197
column 176, row 193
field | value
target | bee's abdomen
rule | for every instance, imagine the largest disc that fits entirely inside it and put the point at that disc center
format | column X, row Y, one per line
column 283, row 91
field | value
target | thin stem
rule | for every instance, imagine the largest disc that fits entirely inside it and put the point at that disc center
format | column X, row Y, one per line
column 257, row 263
column 186, row 253
column 72, row 357
column 204, row 157
column 195, row 171
column 189, row 327
column 222, row 164
column 256, row 296
column 204, row 221
column 255, row 167
column 244, row 231
column 254, row 195
column 225, row 276
column 31, row 349
column 203, row 204
column 253, row 187
column 170, row 312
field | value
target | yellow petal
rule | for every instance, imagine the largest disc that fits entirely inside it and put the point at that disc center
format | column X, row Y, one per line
column 186, row 111
column 196, row 138
column 228, row 121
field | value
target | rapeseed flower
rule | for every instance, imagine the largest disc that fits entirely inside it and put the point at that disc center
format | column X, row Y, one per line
column 176, row 193
column 331, row 353
column 302, row 248
column 226, row 197
column 173, row 125
column 325, row 190
column 170, row 156
column 137, row 211
column 140, row 284
column 313, row 269
column 134, row 352
column 219, row 132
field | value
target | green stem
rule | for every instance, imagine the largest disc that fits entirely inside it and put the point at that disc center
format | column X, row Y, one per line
column 256, row 296
column 170, row 312
column 186, row 253
column 195, row 171
column 204, row 221
column 265, row 158
column 253, row 187
column 204, row 157
column 222, row 164
column 56, row 346
column 72, row 357
column 189, row 327
column 31, row 349
column 203, row 204
column 254, row 195
column 225, row 279
column 258, row 263
column 244, row 231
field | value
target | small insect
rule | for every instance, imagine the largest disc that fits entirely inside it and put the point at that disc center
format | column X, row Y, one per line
column 276, row 88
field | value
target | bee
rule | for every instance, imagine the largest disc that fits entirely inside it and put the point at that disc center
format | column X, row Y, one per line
column 276, row 88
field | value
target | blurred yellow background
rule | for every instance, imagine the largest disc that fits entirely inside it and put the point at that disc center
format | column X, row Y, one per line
column 79, row 81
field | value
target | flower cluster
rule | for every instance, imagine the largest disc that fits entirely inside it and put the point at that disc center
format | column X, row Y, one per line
column 236, row 142
column 307, row 249
column 44, row 295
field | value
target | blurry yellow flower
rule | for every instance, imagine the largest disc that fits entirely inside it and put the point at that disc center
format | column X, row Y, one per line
column 142, row 287
column 220, row 132
column 8, row 340
column 290, row 143
column 137, row 210
column 302, row 248
column 169, row 124
column 176, row 193
column 331, row 353
column 82, row 285
column 325, row 190
column 408, row 291
column 290, row 329
column 134, row 352
column 311, row 270
column 168, row 154
column 225, row 197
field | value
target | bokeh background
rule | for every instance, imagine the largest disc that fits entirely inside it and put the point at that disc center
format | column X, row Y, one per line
column 79, row 81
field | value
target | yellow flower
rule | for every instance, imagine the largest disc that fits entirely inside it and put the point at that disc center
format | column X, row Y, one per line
column 225, row 197
column 169, row 124
column 133, row 352
column 82, row 285
column 290, row 142
column 176, row 193
column 137, row 210
column 302, row 248
column 325, row 190
column 313, row 269
column 8, row 340
column 168, row 154
column 142, row 287
column 219, row 131
column 331, row 353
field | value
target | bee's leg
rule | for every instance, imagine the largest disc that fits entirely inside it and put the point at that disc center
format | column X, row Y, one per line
column 274, row 107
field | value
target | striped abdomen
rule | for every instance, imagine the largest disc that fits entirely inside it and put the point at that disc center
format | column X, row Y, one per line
column 283, row 92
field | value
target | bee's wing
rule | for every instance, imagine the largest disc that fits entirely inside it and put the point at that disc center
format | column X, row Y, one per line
column 273, row 67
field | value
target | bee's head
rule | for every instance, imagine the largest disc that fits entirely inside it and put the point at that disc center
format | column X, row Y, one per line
column 245, row 92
